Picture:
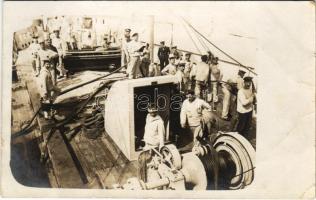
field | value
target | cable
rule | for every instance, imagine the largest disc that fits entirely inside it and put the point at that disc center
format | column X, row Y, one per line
column 239, row 64
column 211, row 42
column 24, row 130
column 197, row 48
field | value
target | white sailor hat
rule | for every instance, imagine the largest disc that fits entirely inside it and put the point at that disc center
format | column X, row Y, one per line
column 171, row 56
column 40, row 40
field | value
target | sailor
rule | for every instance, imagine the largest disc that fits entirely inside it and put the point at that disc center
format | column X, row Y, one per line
column 230, row 89
column 175, row 52
column 154, row 135
column 146, row 50
column 191, row 115
column 245, row 99
column 34, row 48
column 187, row 70
column 181, row 77
column 106, row 43
column 73, row 42
column 43, row 54
column 163, row 54
column 61, row 49
column 215, row 78
column 144, row 65
column 240, row 79
column 202, row 75
column 154, row 69
column 48, row 90
column 171, row 68
column 54, row 61
column 239, row 85
column 135, row 49
column 126, row 39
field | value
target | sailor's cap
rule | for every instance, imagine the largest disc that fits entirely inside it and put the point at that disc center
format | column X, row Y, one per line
column 34, row 36
column 45, row 59
column 181, row 64
column 241, row 71
column 40, row 40
column 127, row 30
column 248, row 79
column 171, row 56
column 173, row 47
column 190, row 92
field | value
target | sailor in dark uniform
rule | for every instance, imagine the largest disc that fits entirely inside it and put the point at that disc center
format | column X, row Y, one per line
column 163, row 54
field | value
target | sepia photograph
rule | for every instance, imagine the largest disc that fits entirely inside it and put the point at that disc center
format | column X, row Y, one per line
column 135, row 97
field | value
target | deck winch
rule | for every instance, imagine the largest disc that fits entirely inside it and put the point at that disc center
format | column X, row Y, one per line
column 226, row 163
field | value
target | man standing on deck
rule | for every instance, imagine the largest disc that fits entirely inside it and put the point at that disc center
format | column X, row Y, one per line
column 34, row 48
column 239, row 85
column 43, row 54
column 61, row 49
column 202, row 76
column 154, row 135
column 48, row 90
column 191, row 115
column 216, row 76
column 240, row 79
column 126, row 39
column 187, row 70
column 135, row 49
column 49, row 46
column 163, row 54
column 144, row 64
column 245, row 99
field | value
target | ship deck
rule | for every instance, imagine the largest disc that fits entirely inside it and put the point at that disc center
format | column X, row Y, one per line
column 75, row 161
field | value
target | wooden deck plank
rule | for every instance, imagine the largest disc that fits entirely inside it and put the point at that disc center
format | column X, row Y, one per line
column 64, row 167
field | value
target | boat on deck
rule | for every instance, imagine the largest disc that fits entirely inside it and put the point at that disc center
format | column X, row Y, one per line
column 92, row 59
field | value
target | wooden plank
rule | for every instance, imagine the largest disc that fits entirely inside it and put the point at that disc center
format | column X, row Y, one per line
column 64, row 167
column 25, row 154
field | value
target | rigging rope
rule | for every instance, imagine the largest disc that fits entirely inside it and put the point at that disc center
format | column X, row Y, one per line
column 196, row 46
column 237, row 62
column 211, row 42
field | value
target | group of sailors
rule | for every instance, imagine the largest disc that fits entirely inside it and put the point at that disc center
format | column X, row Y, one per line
column 196, row 116
column 200, row 82
column 47, row 54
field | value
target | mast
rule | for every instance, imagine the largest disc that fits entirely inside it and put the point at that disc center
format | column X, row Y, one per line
column 151, row 36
